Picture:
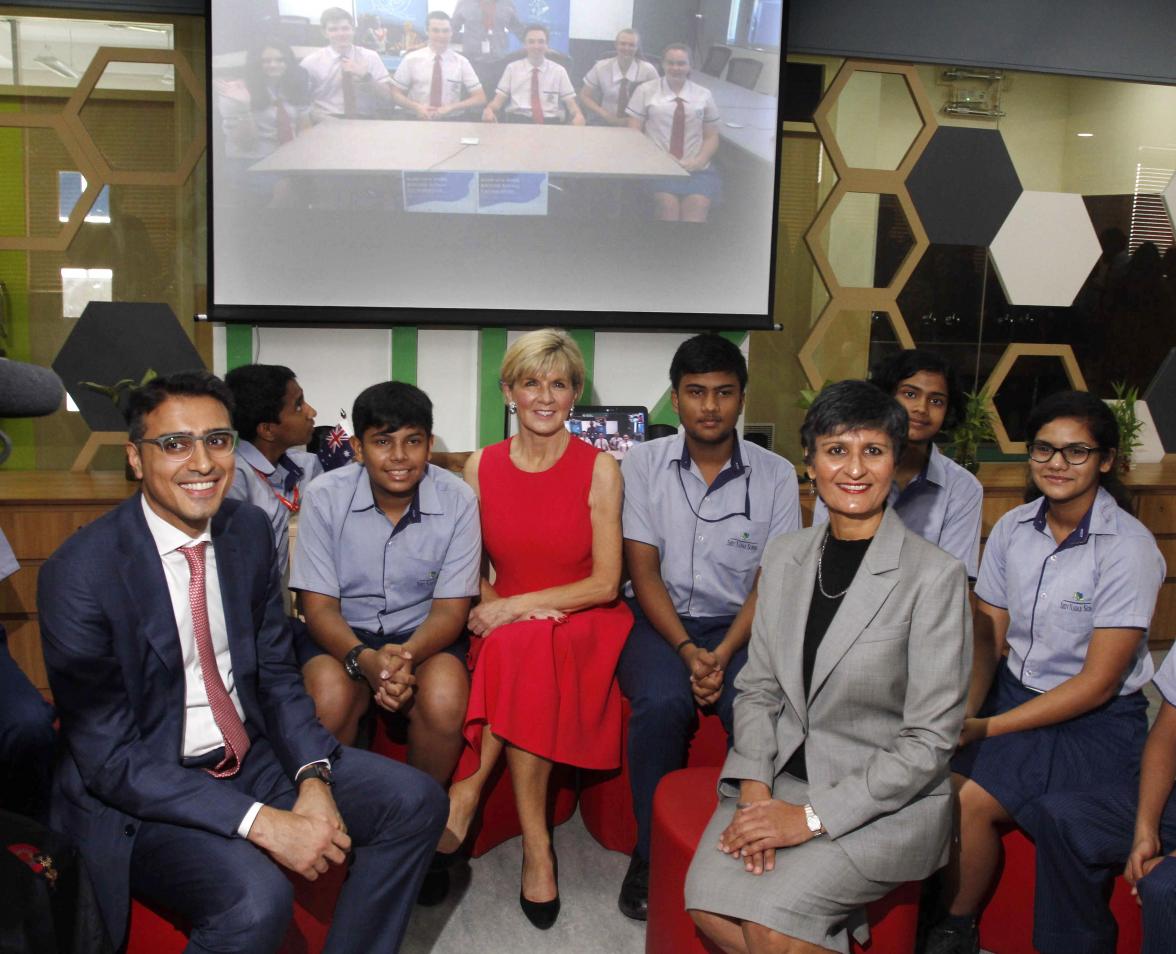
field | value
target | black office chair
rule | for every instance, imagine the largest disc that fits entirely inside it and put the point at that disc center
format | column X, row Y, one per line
column 745, row 72
column 716, row 59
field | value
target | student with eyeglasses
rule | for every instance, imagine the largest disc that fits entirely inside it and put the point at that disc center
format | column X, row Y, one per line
column 1067, row 586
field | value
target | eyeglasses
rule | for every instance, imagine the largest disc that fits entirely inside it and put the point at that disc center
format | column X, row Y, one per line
column 180, row 447
column 1043, row 453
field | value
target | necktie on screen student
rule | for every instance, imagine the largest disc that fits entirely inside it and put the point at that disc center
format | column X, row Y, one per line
column 224, row 713
column 678, row 130
column 348, row 89
column 536, row 102
column 623, row 97
column 285, row 126
column 435, row 86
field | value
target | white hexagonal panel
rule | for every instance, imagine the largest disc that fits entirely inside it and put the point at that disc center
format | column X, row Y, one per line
column 1045, row 249
column 1170, row 199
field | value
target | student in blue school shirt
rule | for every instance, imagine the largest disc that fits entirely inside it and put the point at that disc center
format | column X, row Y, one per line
column 936, row 497
column 1067, row 585
column 699, row 508
column 1084, row 839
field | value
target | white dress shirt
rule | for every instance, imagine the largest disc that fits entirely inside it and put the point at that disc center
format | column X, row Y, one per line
column 604, row 79
column 414, row 76
column 554, row 87
column 200, row 734
column 325, row 68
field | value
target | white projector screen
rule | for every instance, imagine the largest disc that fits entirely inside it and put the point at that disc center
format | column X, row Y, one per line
column 347, row 187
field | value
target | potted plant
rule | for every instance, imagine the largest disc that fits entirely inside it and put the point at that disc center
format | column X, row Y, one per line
column 974, row 428
column 1130, row 426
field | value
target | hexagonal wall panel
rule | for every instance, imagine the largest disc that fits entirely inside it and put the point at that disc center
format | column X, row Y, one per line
column 1045, row 249
column 878, row 243
column 844, row 159
column 86, row 86
column 113, row 341
column 964, row 185
column 1000, row 373
column 81, row 159
column 828, row 322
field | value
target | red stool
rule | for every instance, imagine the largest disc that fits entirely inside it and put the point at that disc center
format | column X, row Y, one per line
column 1006, row 926
column 155, row 931
column 682, row 806
column 499, row 819
column 606, row 799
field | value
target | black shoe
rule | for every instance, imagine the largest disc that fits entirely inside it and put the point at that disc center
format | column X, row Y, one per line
column 434, row 888
column 948, row 939
column 542, row 914
column 634, row 898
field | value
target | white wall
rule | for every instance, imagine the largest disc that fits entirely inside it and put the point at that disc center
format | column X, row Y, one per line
column 447, row 370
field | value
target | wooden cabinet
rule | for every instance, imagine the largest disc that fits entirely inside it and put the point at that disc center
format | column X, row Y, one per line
column 38, row 511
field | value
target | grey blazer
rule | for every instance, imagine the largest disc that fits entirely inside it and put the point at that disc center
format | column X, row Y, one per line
column 884, row 712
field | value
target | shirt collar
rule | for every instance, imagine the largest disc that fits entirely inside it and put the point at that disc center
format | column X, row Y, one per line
column 424, row 500
column 167, row 538
column 735, row 467
column 1092, row 522
column 254, row 458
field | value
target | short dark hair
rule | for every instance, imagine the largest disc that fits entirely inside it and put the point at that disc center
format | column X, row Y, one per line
column 331, row 14
column 259, row 391
column 391, row 405
column 536, row 26
column 898, row 367
column 437, row 15
column 705, row 353
column 850, row 406
column 1096, row 415
column 151, row 395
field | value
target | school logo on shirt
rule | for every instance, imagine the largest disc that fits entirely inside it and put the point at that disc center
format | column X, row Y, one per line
column 1078, row 603
column 743, row 542
column 430, row 579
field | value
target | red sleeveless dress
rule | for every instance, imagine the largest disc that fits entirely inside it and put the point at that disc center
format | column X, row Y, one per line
column 544, row 686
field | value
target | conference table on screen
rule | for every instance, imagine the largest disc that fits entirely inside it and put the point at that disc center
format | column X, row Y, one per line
column 747, row 119
column 369, row 146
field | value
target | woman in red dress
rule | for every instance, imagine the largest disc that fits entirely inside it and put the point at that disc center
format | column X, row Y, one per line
column 551, row 625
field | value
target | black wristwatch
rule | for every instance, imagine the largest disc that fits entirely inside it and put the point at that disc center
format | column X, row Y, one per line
column 351, row 662
column 319, row 770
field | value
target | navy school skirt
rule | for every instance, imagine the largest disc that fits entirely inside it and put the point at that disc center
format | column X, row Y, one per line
column 1098, row 747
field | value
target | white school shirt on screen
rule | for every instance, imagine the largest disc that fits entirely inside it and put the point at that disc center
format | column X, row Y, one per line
column 1165, row 678
column 414, row 76
column 554, row 86
column 605, row 77
column 325, row 68
column 655, row 103
column 237, row 109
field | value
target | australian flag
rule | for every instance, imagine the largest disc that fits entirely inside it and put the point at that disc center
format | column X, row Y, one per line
column 333, row 446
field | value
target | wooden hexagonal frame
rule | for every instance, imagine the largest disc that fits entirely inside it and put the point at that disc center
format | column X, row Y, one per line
column 865, row 179
column 866, row 297
column 81, row 157
column 1062, row 352
column 807, row 354
column 87, row 84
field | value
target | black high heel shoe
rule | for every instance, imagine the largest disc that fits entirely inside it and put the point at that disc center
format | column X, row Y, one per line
column 542, row 914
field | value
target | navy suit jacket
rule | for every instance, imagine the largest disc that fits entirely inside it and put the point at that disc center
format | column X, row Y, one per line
column 115, row 666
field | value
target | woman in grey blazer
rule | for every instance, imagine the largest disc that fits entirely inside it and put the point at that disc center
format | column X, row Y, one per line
column 836, row 789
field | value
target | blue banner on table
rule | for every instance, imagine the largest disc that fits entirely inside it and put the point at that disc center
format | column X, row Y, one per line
column 553, row 14
column 440, row 192
column 512, row 193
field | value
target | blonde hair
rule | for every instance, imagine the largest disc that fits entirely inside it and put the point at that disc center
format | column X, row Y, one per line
column 543, row 352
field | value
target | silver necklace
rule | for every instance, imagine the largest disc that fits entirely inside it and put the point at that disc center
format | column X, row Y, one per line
column 820, row 580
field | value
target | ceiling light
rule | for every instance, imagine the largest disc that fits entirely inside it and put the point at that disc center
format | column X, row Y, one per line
column 1085, row 135
column 140, row 28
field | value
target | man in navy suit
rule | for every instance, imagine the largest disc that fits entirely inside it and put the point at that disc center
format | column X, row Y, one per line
column 195, row 769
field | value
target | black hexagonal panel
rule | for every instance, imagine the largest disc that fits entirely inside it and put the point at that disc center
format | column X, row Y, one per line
column 115, row 341
column 1161, row 401
column 964, row 185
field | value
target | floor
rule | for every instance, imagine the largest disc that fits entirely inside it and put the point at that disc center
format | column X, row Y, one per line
column 482, row 912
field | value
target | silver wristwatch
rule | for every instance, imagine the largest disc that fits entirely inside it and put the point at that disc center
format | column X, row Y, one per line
column 813, row 821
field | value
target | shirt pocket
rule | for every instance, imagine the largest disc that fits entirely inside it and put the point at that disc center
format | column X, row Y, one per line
column 882, row 634
column 740, row 542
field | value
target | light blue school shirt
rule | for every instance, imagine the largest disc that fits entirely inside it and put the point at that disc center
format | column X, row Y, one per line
column 941, row 504
column 259, row 482
column 1165, row 679
column 8, row 562
column 386, row 577
column 1105, row 575
column 708, row 567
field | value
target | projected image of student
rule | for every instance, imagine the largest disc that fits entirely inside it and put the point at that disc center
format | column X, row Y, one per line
column 346, row 81
column 486, row 27
column 681, row 117
column 435, row 82
column 534, row 89
column 265, row 110
column 610, row 83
